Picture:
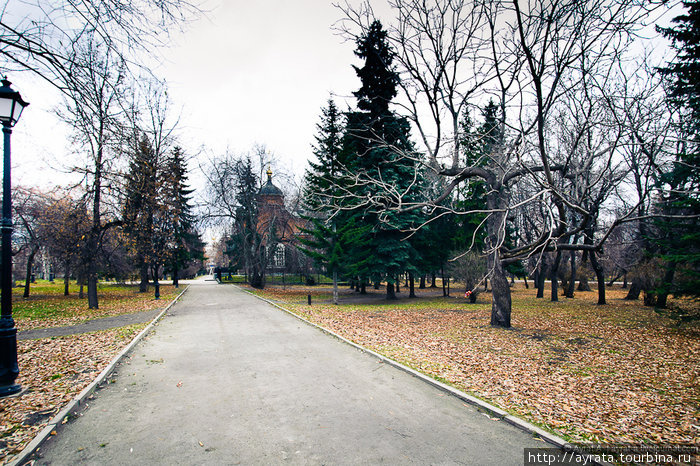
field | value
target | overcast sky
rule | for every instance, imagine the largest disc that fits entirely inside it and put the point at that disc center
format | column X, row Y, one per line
column 248, row 72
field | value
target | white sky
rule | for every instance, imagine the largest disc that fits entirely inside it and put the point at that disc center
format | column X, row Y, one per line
column 249, row 72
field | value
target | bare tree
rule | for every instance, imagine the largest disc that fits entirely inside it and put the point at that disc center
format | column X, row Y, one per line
column 233, row 201
column 536, row 61
column 39, row 35
column 94, row 109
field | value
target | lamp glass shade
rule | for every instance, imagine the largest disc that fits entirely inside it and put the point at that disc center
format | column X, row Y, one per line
column 6, row 105
column 11, row 104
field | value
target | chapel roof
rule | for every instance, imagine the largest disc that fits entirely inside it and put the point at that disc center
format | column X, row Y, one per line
column 269, row 189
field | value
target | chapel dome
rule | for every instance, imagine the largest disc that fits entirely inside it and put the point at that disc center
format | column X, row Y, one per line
column 269, row 189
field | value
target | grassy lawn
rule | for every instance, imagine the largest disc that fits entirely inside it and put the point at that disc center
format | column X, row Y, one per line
column 47, row 307
column 614, row 373
column 54, row 370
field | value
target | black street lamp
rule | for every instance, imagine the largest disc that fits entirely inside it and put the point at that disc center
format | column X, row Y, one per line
column 11, row 106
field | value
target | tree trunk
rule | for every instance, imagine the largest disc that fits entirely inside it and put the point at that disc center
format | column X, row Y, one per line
column 411, row 285
column 143, row 274
column 541, row 274
column 662, row 297
column 598, row 269
column 92, row 289
column 527, row 287
column 624, row 281
column 572, row 279
column 444, row 290
column 66, row 278
column 583, row 283
column 176, row 279
column 554, row 278
column 363, row 287
column 335, row 287
column 635, row 289
column 501, row 301
column 390, row 295
column 501, row 298
column 433, row 283
column 28, row 276
column 398, row 284
column 156, row 281
column 422, row 282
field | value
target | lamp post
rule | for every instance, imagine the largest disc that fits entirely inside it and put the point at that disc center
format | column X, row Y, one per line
column 11, row 106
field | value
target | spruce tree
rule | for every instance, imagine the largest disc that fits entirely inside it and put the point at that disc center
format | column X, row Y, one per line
column 379, row 141
column 321, row 194
column 185, row 242
column 139, row 206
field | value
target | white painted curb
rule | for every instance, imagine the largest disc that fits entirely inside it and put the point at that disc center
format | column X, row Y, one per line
column 74, row 404
column 480, row 404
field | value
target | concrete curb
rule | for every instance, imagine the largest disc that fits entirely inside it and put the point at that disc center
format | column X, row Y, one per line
column 74, row 404
column 478, row 403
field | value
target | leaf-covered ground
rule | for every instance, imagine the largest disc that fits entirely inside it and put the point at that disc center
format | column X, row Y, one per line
column 54, row 370
column 47, row 307
column 614, row 373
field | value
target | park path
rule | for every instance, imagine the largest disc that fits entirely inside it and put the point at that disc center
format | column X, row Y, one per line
column 226, row 378
column 93, row 325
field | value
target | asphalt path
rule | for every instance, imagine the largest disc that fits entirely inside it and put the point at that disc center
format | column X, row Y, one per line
column 94, row 325
column 226, row 378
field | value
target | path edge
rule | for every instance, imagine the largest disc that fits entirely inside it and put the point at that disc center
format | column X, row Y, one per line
column 472, row 400
column 76, row 402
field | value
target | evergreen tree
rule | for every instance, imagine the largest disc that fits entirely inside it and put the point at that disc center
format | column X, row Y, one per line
column 139, row 206
column 679, row 239
column 322, row 184
column 476, row 145
column 379, row 142
column 185, row 242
